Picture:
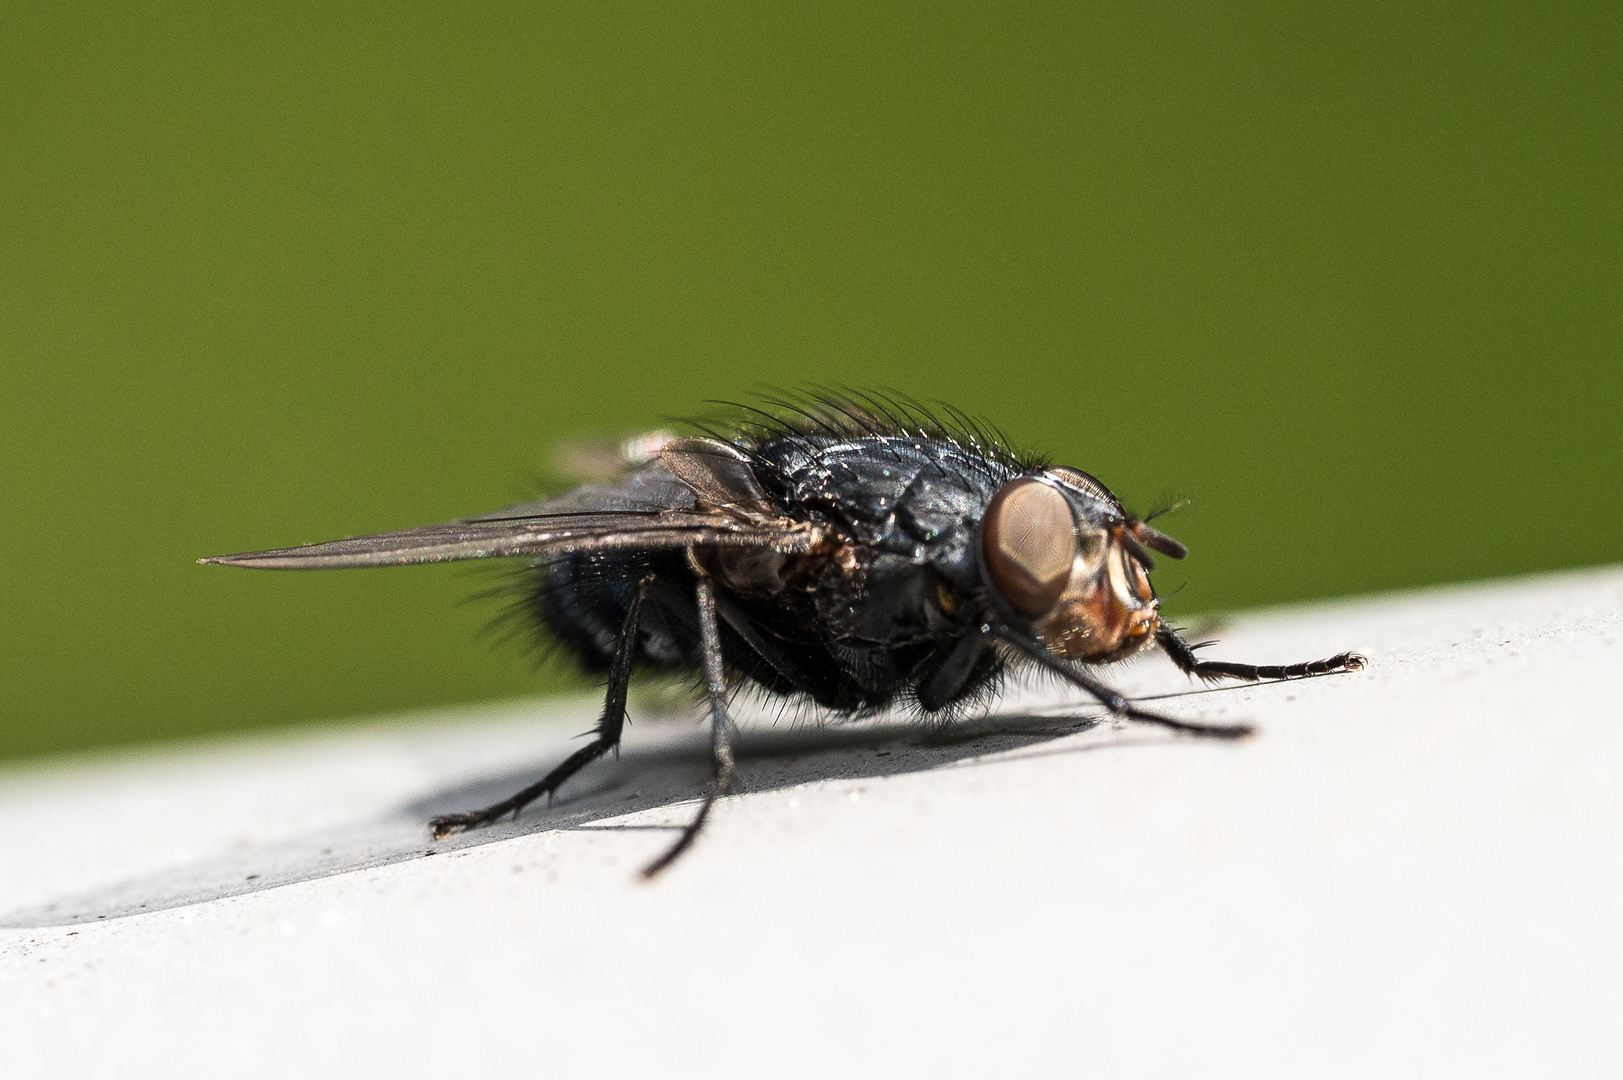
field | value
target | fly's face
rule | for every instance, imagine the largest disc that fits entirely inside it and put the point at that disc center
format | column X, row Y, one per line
column 1064, row 561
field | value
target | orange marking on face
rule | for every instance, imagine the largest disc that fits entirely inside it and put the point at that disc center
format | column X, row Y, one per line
column 1103, row 615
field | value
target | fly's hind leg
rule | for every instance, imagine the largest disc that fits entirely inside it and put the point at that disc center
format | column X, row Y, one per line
column 1183, row 654
column 605, row 737
column 721, row 726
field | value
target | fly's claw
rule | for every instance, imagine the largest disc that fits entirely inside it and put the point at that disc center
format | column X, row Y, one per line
column 441, row 827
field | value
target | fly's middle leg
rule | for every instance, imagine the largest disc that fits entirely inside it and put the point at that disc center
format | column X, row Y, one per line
column 604, row 738
column 1183, row 654
column 721, row 726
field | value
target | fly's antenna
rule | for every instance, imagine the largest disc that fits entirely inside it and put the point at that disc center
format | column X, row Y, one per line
column 1179, row 505
column 1136, row 536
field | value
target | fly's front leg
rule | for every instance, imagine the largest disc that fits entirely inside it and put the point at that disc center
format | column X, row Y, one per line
column 1183, row 654
column 942, row 684
column 606, row 736
column 721, row 726
column 1110, row 699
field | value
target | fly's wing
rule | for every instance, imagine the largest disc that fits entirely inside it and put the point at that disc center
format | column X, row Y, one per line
column 484, row 539
column 699, row 493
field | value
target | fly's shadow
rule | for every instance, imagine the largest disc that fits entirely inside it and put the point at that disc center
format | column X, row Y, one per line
column 641, row 779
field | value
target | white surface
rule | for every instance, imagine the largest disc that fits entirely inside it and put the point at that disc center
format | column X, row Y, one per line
column 1412, row 871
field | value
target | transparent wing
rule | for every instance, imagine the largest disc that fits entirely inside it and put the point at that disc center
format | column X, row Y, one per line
column 649, row 508
column 484, row 539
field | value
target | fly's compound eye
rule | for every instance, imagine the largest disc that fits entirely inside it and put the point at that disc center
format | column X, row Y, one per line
column 1028, row 542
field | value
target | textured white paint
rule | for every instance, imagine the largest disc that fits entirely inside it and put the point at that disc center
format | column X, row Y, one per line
column 1413, row 871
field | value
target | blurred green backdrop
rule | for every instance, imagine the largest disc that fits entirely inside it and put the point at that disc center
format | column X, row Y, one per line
column 1346, row 277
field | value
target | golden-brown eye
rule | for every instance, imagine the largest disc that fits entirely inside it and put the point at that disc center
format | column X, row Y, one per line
column 1028, row 541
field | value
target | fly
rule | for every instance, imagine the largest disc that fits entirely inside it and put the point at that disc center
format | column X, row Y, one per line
column 857, row 556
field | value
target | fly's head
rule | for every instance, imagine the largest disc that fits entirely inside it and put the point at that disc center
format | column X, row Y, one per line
column 1066, row 564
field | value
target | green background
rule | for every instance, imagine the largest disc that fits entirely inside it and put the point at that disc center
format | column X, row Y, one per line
column 1347, row 277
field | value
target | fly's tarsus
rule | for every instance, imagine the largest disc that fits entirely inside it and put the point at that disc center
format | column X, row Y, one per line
column 1182, row 653
column 605, row 737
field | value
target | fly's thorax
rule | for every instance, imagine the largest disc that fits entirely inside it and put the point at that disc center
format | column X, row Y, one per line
column 1055, row 557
